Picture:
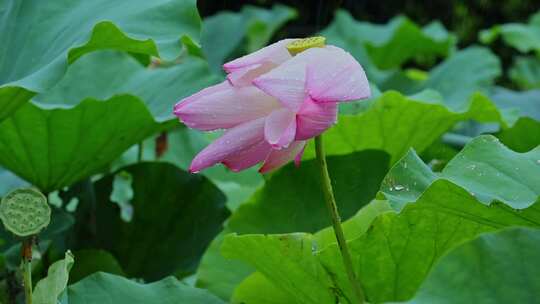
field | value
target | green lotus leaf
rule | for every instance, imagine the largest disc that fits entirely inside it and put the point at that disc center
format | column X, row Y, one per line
column 175, row 216
column 389, row 45
column 525, row 72
column 395, row 123
column 523, row 37
column 54, row 148
column 394, row 255
column 40, row 42
column 49, row 289
column 110, row 289
column 223, row 34
column 482, row 167
column 494, row 268
column 290, row 201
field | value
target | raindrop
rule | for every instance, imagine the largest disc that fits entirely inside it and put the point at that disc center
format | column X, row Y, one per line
column 405, row 165
column 313, row 248
column 472, row 167
column 399, row 187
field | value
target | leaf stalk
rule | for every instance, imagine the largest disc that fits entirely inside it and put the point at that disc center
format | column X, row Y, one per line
column 336, row 220
column 26, row 255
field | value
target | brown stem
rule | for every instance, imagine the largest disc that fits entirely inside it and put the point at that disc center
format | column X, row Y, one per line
column 26, row 256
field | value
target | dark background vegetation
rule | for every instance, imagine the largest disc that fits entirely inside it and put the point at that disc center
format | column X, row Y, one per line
column 464, row 18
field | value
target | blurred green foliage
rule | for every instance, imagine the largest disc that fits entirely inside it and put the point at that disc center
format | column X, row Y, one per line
column 86, row 114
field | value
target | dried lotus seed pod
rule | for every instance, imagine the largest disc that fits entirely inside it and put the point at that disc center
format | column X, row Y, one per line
column 25, row 212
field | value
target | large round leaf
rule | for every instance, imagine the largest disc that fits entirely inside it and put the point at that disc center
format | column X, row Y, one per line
column 175, row 216
column 525, row 72
column 396, row 253
column 90, row 261
column 104, row 74
column 498, row 267
column 55, row 148
column 182, row 144
column 223, row 33
column 56, row 140
column 291, row 200
column 395, row 123
column 110, row 289
column 523, row 37
column 389, row 45
column 523, row 136
column 40, row 38
column 524, row 101
column 489, row 170
column 467, row 71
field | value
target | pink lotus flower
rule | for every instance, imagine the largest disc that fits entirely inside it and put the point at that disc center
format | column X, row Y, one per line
column 271, row 104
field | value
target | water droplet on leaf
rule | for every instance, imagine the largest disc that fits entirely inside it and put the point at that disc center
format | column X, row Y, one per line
column 399, row 187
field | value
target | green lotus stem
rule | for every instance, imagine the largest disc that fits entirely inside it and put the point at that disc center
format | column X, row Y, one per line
column 140, row 151
column 26, row 256
column 336, row 220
